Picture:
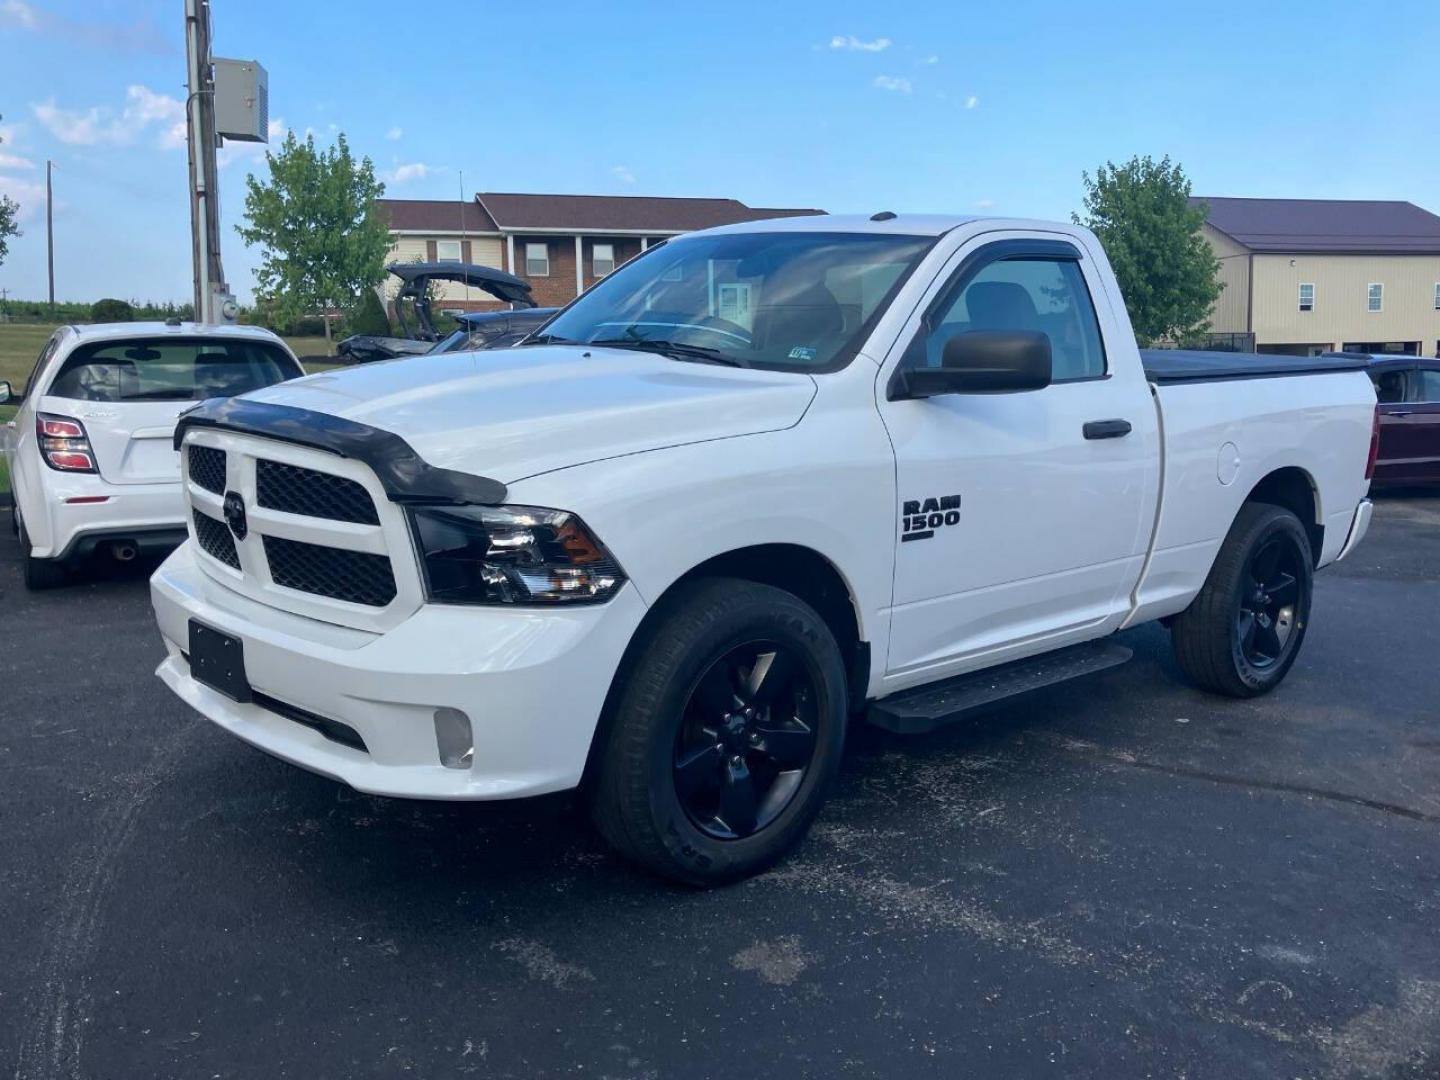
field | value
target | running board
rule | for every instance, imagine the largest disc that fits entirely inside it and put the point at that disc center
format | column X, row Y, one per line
column 914, row 712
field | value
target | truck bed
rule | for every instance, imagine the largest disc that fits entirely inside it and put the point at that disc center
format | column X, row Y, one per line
column 1193, row 365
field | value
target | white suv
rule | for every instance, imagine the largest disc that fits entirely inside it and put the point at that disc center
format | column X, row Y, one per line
column 90, row 454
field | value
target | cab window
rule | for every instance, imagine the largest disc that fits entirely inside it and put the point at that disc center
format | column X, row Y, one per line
column 1427, row 386
column 1389, row 387
column 1044, row 295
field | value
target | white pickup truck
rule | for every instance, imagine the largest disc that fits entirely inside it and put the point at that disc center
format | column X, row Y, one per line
column 759, row 480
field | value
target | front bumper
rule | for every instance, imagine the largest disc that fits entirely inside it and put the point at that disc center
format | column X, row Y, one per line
column 531, row 681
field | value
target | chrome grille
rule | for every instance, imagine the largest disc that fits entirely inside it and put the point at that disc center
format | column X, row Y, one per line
column 214, row 537
column 354, row 576
column 207, row 468
column 311, row 493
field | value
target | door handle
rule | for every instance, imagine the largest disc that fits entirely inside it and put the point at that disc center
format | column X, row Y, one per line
column 1107, row 429
column 1396, row 412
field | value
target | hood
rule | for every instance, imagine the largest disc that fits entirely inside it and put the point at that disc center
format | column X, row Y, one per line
column 513, row 413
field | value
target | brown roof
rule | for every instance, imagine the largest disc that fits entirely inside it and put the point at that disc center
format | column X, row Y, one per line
column 435, row 215
column 1353, row 226
column 513, row 211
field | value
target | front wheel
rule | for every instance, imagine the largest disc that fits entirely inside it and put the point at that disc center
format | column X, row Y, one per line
column 1243, row 631
column 725, row 737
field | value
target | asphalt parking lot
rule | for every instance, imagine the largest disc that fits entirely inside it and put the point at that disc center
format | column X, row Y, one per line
column 1121, row 878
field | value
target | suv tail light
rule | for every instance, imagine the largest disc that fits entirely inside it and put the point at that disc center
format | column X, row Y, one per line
column 63, row 443
column 1374, row 446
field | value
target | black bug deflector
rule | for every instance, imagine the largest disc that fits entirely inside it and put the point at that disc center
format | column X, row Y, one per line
column 404, row 474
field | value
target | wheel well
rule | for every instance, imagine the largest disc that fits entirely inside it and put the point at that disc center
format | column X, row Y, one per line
column 1293, row 489
column 798, row 570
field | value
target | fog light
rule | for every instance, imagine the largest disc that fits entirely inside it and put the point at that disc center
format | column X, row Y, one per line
column 454, row 739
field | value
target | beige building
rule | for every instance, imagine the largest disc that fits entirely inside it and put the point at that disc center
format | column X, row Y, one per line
column 1304, row 276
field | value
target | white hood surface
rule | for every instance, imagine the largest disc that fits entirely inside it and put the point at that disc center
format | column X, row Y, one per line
column 513, row 413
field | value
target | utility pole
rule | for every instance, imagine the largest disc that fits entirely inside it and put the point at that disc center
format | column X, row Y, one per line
column 50, row 232
column 210, row 288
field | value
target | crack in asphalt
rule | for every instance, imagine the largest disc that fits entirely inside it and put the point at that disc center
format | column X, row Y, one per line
column 1254, row 783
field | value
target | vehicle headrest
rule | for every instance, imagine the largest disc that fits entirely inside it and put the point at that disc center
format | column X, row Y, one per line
column 1000, row 305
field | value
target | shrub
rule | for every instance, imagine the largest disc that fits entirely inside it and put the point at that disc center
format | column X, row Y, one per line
column 368, row 316
column 112, row 310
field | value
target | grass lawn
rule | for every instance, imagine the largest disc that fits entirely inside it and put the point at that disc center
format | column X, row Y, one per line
column 21, row 343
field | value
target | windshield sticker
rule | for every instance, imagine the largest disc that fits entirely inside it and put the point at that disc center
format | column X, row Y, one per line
column 802, row 352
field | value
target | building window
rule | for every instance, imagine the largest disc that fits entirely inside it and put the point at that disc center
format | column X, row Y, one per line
column 1437, row 296
column 447, row 250
column 602, row 259
column 1307, row 296
column 537, row 260
column 1375, row 297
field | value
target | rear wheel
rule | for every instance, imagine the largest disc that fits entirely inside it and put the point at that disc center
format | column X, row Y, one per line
column 726, row 735
column 39, row 573
column 1244, row 629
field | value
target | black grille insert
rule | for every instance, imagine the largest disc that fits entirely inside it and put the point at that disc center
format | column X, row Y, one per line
column 314, row 494
column 355, row 576
column 215, row 539
column 207, row 468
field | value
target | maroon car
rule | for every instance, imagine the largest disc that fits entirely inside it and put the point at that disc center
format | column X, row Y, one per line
column 1408, row 389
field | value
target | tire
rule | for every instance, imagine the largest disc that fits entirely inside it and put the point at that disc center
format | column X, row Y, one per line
column 652, row 796
column 38, row 573
column 1225, row 639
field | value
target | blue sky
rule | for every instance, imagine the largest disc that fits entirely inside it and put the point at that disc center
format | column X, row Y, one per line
column 977, row 107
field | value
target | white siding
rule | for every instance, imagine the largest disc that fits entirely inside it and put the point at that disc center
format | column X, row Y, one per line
column 484, row 251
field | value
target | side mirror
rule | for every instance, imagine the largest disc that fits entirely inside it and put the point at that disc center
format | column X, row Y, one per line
column 5, row 392
column 982, row 362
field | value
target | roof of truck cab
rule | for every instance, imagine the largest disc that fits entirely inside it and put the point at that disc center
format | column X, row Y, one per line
column 899, row 225
column 107, row 331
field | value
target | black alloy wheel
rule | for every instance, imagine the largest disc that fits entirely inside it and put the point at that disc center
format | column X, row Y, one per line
column 1242, row 632
column 1270, row 592
column 746, row 740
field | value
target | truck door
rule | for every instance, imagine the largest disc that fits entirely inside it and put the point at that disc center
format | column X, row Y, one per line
column 1024, row 517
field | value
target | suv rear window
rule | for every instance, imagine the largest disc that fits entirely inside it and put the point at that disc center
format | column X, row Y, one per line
column 171, row 369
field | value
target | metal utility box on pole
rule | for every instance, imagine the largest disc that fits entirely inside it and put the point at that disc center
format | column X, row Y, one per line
column 228, row 98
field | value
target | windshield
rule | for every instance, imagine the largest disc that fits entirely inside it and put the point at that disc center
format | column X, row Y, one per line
column 457, row 340
column 171, row 369
column 790, row 300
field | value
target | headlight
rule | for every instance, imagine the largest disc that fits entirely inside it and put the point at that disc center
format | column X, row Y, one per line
column 511, row 555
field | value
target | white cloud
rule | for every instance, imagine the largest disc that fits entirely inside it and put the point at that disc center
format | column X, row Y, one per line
column 29, row 194
column 972, row 102
column 850, row 41
column 14, row 161
column 403, row 174
column 394, row 134
column 102, row 125
column 984, row 204
column 622, row 173
column 234, row 153
column 892, row 83
column 931, row 59
column 15, row 13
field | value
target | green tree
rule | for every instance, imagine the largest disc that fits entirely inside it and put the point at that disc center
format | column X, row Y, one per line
column 324, row 243
column 112, row 310
column 1167, row 271
column 368, row 316
column 9, row 216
